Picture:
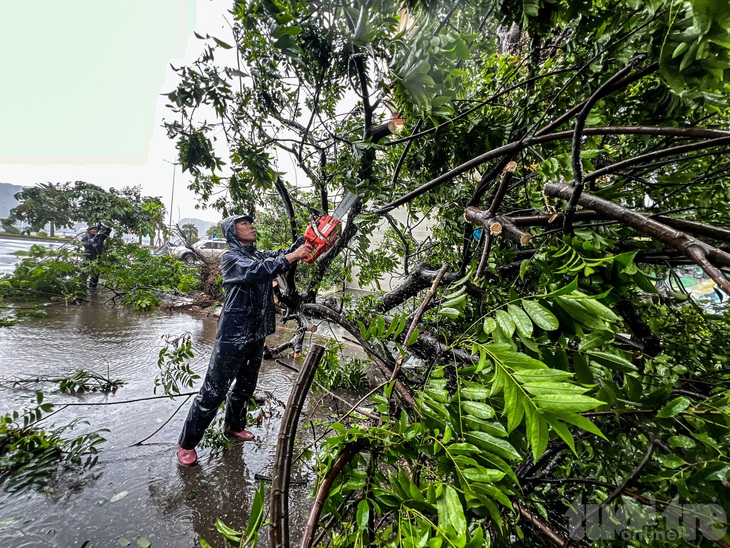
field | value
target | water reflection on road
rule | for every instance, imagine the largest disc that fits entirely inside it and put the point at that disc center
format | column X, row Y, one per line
column 165, row 504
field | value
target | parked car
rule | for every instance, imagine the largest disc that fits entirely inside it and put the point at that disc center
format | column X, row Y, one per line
column 210, row 249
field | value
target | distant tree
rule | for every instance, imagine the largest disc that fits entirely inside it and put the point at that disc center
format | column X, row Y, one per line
column 214, row 231
column 191, row 232
column 9, row 227
column 152, row 217
column 45, row 203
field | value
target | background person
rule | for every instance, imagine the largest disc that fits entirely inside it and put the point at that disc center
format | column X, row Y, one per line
column 93, row 242
column 245, row 321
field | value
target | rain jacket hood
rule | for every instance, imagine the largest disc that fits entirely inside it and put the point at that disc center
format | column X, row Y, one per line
column 248, row 273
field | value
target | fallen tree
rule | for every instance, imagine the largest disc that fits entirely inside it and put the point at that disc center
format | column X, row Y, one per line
column 563, row 162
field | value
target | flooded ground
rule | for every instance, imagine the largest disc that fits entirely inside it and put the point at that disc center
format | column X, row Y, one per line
column 153, row 498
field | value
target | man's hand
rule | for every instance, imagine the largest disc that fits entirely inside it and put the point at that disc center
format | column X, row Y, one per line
column 303, row 251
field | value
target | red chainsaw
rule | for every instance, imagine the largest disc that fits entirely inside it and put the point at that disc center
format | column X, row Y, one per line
column 322, row 233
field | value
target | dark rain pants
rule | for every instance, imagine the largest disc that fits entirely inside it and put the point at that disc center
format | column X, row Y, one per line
column 228, row 364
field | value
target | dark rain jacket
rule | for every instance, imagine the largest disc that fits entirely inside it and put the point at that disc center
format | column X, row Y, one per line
column 248, row 309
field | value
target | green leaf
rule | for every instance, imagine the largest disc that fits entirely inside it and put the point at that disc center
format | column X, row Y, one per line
column 227, row 532
column 513, row 405
column 564, row 433
column 524, row 265
column 462, row 448
column 450, row 511
column 572, row 286
column 474, row 393
column 221, row 43
column 451, row 313
column 541, row 375
column 591, row 304
column 492, row 427
column 499, row 447
column 363, row 514
column 555, row 388
column 537, row 432
column 143, row 542
column 505, row 322
column 683, row 442
column 674, row 407
column 481, row 474
column 577, row 420
column 671, row 461
column 456, row 302
column 543, row 318
column 612, row 361
column 596, row 338
column 119, row 496
column 576, row 403
column 583, row 372
column 522, row 321
column 478, row 409
column 576, row 310
column 516, row 360
column 489, row 325
column 123, row 541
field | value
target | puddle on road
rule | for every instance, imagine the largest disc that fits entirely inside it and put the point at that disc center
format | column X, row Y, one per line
column 152, row 496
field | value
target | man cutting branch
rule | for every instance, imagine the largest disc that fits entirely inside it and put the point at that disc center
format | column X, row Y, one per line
column 245, row 321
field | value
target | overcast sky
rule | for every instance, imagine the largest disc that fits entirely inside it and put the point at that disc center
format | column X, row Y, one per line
column 80, row 92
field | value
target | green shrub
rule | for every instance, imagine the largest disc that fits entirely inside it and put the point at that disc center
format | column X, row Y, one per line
column 29, row 455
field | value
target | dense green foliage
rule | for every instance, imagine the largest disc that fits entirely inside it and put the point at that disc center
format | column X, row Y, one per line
column 136, row 276
column 64, row 204
column 579, row 137
column 340, row 371
column 30, row 455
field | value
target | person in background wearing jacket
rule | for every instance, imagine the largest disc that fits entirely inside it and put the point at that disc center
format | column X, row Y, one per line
column 93, row 242
column 246, row 319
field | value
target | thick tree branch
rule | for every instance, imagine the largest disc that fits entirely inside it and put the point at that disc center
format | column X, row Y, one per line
column 700, row 252
column 345, row 456
column 497, row 225
column 693, row 227
column 718, row 137
column 552, row 535
column 386, row 366
column 279, row 528
column 580, row 121
column 421, row 278
column 417, row 318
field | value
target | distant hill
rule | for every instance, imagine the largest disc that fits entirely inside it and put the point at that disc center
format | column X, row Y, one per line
column 7, row 200
column 201, row 225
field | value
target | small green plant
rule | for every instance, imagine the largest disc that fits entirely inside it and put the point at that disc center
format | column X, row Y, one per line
column 8, row 321
column 214, row 438
column 142, row 299
column 337, row 371
column 35, row 312
column 30, row 455
column 87, row 381
column 250, row 536
column 45, row 273
column 174, row 363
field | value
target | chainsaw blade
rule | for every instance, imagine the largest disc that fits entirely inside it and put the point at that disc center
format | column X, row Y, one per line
column 347, row 202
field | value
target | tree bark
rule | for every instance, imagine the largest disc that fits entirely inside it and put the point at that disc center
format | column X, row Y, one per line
column 279, row 528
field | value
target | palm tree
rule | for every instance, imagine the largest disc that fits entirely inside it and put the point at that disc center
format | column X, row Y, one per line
column 191, row 232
